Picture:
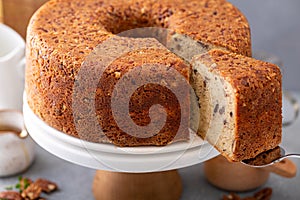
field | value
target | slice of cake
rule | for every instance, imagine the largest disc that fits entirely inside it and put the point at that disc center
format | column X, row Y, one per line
column 240, row 103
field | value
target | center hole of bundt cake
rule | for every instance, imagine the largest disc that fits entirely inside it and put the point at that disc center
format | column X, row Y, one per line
column 128, row 19
column 127, row 25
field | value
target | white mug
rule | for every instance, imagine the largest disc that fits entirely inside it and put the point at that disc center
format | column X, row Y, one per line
column 12, row 65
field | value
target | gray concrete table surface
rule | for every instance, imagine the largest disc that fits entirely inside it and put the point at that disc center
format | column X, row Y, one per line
column 75, row 182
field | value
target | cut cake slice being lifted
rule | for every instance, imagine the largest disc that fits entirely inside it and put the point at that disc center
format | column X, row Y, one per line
column 240, row 103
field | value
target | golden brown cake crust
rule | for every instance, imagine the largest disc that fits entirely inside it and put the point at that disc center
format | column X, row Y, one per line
column 214, row 22
column 151, row 63
column 62, row 33
column 258, row 95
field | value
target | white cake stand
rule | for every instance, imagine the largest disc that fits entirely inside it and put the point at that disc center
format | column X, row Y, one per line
column 126, row 173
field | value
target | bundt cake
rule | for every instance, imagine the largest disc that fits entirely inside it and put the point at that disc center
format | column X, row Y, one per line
column 65, row 36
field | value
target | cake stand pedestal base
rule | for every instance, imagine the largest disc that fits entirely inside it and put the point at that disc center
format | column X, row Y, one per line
column 127, row 186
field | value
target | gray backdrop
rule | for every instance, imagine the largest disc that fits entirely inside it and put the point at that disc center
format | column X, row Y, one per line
column 275, row 28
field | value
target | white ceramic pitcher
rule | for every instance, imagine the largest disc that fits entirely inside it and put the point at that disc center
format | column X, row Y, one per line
column 17, row 149
column 12, row 65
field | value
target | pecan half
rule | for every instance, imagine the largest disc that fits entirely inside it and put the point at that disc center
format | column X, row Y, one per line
column 10, row 195
column 46, row 185
column 231, row 196
column 264, row 194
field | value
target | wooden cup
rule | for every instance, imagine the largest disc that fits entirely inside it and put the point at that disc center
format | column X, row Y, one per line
column 239, row 177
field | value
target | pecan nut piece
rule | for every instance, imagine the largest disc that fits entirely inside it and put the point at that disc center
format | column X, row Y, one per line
column 264, row 194
column 231, row 196
column 10, row 195
column 46, row 185
column 33, row 191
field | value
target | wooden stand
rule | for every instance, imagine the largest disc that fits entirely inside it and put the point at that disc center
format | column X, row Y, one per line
column 143, row 186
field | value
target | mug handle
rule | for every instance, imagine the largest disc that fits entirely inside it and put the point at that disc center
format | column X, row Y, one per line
column 285, row 168
column 21, row 68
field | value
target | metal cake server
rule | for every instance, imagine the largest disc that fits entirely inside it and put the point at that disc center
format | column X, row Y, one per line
column 269, row 158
